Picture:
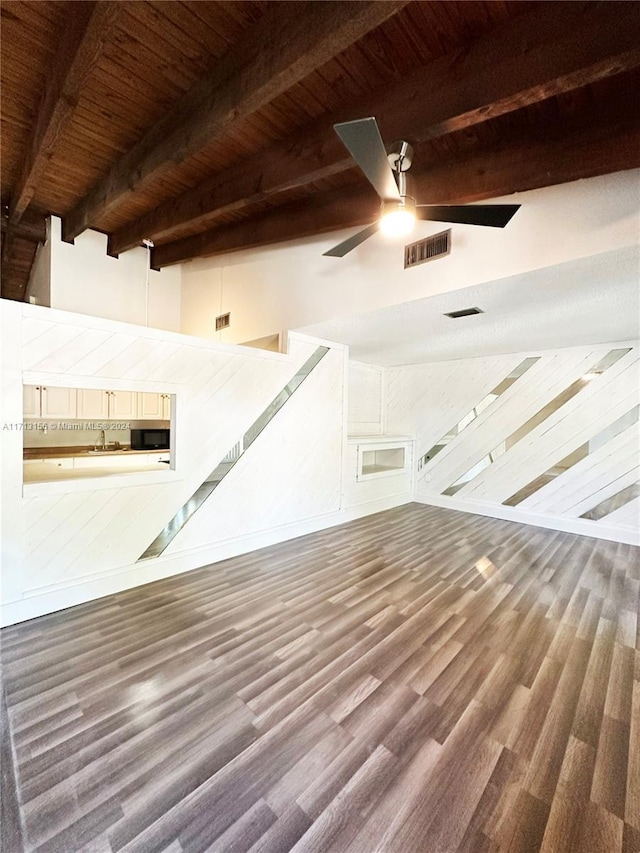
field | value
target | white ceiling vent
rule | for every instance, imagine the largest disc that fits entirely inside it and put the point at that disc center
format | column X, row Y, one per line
column 436, row 246
column 223, row 321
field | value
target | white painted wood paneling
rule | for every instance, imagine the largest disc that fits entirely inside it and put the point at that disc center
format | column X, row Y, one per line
column 600, row 402
column 291, row 472
column 428, row 400
column 65, row 534
column 584, row 479
column 627, row 516
column 366, row 383
column 500, row 420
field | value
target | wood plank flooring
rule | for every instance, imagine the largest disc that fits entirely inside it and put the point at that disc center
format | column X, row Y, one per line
column 418, row 681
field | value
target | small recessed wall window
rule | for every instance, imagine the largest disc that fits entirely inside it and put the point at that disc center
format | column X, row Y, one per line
column 381, row 460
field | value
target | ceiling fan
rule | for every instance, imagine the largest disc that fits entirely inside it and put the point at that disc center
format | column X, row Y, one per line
column 387, row 170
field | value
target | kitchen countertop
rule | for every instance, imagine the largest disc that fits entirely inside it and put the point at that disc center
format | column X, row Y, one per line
column 67, row 452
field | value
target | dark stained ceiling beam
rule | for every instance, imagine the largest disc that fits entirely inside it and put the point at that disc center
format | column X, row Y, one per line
column 17, row 266
column 481, row 175
column 554, row 49
column 290, row 41
column 32, row 226
column 86, row 28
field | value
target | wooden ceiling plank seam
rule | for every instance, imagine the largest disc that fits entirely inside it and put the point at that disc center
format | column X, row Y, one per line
column 451, row 93
column 226, row 27
column 109, row 111
column 89, row 24
column 495, row 174
column 325, row 92
column 136, row 24
column 35, row 13
column 346, row 87
column 236, row 87
column 128, row 91
column 169, row 38
column 183, row 19
column 147, row 68
column 403, row 34
column 153, row 72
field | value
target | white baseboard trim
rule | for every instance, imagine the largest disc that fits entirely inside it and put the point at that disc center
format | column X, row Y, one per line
column 581, row 526
column 41, row 602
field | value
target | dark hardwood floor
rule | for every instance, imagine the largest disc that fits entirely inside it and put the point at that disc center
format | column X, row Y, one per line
column 418, row 681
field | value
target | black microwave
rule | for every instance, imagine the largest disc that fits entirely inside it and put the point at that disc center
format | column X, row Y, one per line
column 152, row 438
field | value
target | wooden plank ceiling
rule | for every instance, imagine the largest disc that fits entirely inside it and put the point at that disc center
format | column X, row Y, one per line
column 207, row 126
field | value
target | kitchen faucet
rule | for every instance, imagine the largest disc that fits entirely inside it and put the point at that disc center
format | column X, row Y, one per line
column 103, row 441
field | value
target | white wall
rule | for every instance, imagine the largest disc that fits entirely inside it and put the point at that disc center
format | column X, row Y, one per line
column 65, row 542
column 39, row 286
column 366, row 399
column 85, row 280
column 428, row 400
column 291, row 285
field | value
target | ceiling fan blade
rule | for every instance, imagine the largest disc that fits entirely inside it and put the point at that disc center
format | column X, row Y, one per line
column 346, row 246
column 492, row 215
column 364, row 143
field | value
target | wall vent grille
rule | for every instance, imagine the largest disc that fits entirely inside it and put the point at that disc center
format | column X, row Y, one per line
column 465, row 312
column 223, row 321
column 436, row 246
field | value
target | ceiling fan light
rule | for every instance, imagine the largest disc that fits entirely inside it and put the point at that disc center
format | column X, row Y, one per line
column 397, row 220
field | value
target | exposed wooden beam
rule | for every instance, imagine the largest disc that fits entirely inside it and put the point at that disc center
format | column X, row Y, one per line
column 554, row 49
column 481, row 175
column 17, row 266
column 32, row 226
column 291, row 41
column 87, row 25
column 19, row 244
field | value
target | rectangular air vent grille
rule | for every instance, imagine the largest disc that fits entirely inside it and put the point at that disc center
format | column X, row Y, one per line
column 223, row 321
column 464, row 312
column 436, row 246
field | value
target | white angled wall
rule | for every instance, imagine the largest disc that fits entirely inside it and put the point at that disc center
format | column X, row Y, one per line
column 428, row 400
column 289, row 474
column 69, row 541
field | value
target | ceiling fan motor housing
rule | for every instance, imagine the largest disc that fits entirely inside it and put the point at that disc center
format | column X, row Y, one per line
column 400, row 155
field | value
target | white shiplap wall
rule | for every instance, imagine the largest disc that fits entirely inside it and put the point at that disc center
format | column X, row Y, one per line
column 428, row 400
column 366, row 399
column 69, row 541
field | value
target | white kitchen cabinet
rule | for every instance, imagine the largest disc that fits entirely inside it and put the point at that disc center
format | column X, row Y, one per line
column 115, row 462
column 95, row 404
column 154, row 407
column 49, row 401
column 157, row 458
column 31, row 401
column 58, row 402
column 123, row 405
